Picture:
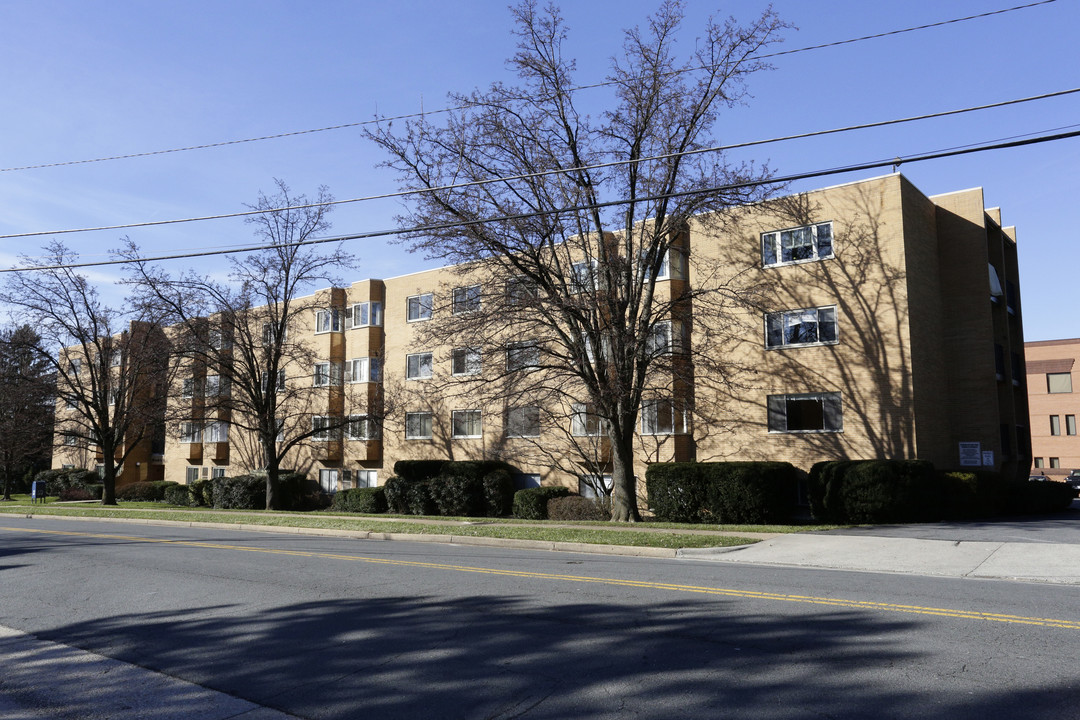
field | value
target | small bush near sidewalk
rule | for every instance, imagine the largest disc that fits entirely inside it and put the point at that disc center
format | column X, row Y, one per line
column 152, row 491
column 576, row 507
column 1039, row 497
column 754, row 493
column 179, row 495
column 531, row 503
column 360, row 500
column 77, row 494
column 243, row 492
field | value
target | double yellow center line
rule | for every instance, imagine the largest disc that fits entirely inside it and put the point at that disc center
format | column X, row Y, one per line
column 614, row 582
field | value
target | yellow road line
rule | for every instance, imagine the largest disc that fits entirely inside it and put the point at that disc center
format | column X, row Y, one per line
column 743, row 594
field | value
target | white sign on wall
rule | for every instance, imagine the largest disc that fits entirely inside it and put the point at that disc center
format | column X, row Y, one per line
column 971, row 454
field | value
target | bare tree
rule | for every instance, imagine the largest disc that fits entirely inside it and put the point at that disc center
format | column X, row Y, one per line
column 110, row 364
column 238, row 333
column 520, row 186
column 26, row 404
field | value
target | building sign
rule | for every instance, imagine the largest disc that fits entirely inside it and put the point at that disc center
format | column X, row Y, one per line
column 988, row 458
column 970, row 454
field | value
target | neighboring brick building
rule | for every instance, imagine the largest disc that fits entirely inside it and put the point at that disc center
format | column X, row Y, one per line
column 888, row 326
column 1054, row 398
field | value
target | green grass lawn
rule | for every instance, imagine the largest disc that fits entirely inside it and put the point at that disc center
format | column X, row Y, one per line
column 646, row 534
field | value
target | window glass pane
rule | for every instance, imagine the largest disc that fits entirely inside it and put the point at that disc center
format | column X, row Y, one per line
column 1070, row 424
column 768, row 249
column 824, row 240
column 1055, row 425
column 1059, row 382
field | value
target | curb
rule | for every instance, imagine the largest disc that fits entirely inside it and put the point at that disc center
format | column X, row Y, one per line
column 549, row 545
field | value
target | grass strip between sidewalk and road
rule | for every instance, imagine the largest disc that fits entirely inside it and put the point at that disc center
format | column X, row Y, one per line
column 656, row 535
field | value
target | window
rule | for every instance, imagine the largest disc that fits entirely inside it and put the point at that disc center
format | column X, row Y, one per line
column 1055, row 424
column 321, row 375
column 521, row 355
column 584, row 421
column 328, row 320
column 524, row 481
column 465, row 361
column 188, row 390
column 217, row 472
column 417, row 425
column 801, row 244
column 363, row 314
column 595, row 486
column 466, row 299
column 465, row 423
column 1055, row 462
column 190, row 432
column 809, row 412
column 280, row 385
column 523, row 422
column 71, row 440
column 1070, row 424
column 75, row 366
column 328, row 479
column 583, row 276
column 419, row 307
column 663, row 417
column 672, row 265
column 360, row 370
column 213, row 386
column 217, row 340
column 191, row 474
column 1059, row 382
column 116, row 357
column 114, row 395
column 269, row 331
column 323, row 429
column 810, row 326
column 1012, row 297
column 1017, row 372
column 521, row 291
column 995, row 284
column 217, row 431
column 361, row 427
column 418, row 366
column 666, row 337
column 367, row 478
column 1038, row 462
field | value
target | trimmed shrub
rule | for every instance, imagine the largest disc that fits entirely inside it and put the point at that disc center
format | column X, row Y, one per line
column 754, row 493
column 299, row 492
column 179, row 495
column 888, row 491
column 77, row 494
column 418, row 469
column 152, row 491
column 360, row 500
column 96, row 490
column 418, row 499
column 243, row 492
column 531, row 503
column 498, row 493
column 394, row 487
column 457, row 495
column 1038, row 497
column 677, row 492
column 824, row 487
column 576, row 507
column 202, row 492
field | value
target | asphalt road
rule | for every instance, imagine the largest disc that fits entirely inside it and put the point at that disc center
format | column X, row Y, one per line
column 335, row 628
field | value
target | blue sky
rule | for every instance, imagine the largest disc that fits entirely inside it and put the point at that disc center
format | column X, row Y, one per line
column 84, row 80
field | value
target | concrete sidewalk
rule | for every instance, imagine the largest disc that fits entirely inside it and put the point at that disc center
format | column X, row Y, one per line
column 1050, row 562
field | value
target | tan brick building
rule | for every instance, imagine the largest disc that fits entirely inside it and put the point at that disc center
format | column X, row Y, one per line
column 886, row 324
column 1055, row 403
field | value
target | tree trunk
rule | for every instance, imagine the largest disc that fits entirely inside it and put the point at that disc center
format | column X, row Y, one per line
column 273, row 469
column 624, row 484
column 108, row 482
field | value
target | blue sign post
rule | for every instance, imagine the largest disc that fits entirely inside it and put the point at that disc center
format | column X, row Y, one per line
column 37, row 491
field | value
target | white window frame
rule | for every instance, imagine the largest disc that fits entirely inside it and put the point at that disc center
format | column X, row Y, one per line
column 187, row 390
column 588, row 484
column 327, row 320
column 778, row 409
column 191, row 433
column 465, row 361
column 366, row 478
column 522, row 355
column 415, row 365
column 363, row 314
column 522, row 422
column 329, row 479
column 216, row 472
column 322, row 428
column 772, row 244
column 1059, row 383
column 667, row 337
column 280, row 386
column 466, row 424
column 663, row 416
column 216, row 431
column 212, row 386
column 466, row 299
column 521, row 291
column 418, row 425
column 326, row 374
column 583, row 276
column 584, row 422
column 191, row 474
column 361, row 427
column 777, row 326
column 419, row 308
column 362, row 370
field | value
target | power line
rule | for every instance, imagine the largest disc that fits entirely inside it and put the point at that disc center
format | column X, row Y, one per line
column 577, row 208
column 422, row 113
column 597, row 166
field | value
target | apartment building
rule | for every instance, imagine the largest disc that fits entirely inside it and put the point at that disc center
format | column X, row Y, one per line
column 877, row 322
column 1054, row 405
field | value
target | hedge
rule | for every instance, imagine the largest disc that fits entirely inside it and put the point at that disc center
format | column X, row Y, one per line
column 470, row 488
column 144, row 491
column 360, row 500
column 726, row 492
column 179, row 495
column 1035, row 497
column 243, row 492
column 531, row 503
column 576, row 507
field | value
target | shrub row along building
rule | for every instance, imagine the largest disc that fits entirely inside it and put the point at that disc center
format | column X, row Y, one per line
column 864, row 320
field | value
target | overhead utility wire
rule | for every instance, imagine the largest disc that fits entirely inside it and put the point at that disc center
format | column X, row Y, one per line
column 563, row 171
column 422, row 113
column 573, row 208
